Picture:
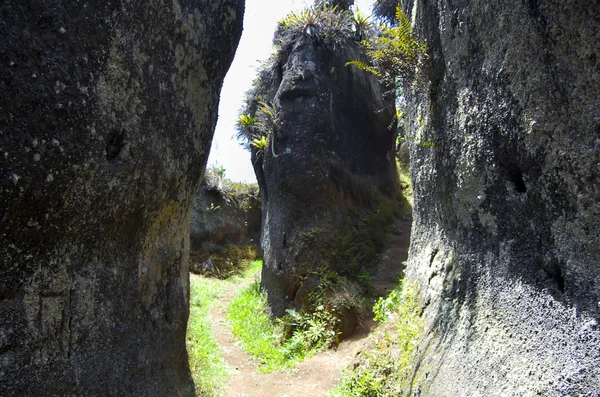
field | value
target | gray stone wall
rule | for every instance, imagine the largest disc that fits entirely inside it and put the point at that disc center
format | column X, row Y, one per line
column 107, row 114
column 507, row 202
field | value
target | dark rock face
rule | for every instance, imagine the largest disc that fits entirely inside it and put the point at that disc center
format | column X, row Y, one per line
column 107, row 113
column 333, row 151
column 225, row 227
column 507, row 203
column 221, row 216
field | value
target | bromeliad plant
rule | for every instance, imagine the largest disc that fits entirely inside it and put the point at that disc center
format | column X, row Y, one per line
column 258, row 128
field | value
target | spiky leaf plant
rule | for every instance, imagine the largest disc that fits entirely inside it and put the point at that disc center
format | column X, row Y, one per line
column 396, row 53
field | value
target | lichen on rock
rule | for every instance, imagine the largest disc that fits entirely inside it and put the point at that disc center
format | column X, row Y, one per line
column 108, row 110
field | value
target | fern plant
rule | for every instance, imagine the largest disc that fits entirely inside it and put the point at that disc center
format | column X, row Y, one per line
column 396, row 53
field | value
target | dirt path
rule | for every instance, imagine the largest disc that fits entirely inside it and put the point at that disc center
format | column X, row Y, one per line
column 312, row 377
column 317, row 375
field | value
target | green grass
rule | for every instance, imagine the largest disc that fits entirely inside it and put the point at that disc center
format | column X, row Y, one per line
column 263, row 339
column 207, row 364
column 252, row 326
column 384, row 368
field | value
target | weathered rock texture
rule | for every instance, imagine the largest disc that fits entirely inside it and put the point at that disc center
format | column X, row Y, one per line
column 506, row 231
column 330, row 155
column 107, row 114
column 225, row 213
column 225, row 227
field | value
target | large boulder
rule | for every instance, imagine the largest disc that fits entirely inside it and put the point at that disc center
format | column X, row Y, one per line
column 108, row 110
column 329, row 159
column 506, row 198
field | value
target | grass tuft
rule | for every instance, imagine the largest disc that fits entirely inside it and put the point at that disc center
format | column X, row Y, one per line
column 207, row 364
column 257, row 334
column 386, row 366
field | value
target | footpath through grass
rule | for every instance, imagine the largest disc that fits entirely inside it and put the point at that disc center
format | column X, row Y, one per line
column 263, row 339
column 251, row 325
column 207, row 364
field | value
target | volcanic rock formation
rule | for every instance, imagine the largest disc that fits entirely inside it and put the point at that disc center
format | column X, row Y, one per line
column 107, row 114
column 329, row 160
column 507, row 199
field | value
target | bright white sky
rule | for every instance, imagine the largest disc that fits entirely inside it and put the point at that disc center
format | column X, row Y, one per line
column 260, row 21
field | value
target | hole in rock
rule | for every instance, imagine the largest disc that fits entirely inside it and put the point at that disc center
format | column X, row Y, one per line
column 114, row 144
column 516, row 177
column 555, row 273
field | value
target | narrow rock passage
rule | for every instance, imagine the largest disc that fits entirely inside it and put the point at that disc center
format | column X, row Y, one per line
column 314, row 376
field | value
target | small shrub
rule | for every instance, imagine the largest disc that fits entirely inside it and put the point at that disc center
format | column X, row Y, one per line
column 309, row 331
column 396, row 53
column 385, row 367
column 384, row 307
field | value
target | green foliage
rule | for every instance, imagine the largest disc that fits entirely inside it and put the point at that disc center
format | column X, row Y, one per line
column 247, row 121
column 386, row 366
column 396, row 53
column 252, row 327
column 216, row 173
column 333, row 25
column 310, row 331
column 207, row 364
column 384, row 307
column 297, row 335
column 259, row 143
column 364, row 66
column 264, row 340
column 361, row 21
column 267, row 117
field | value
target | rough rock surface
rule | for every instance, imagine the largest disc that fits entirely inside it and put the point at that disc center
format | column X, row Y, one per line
column 506, row 232
column 107, row 114
column 333, row 152
column 224, row 216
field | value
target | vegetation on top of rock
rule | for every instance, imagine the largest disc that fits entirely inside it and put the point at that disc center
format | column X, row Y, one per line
column 395, row 54
column 327, row 26
column 238, row 194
